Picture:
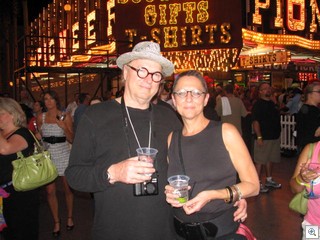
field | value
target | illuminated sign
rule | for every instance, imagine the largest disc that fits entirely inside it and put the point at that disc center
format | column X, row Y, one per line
column 291, row 15
column 64, row 44
column 202, row 34
column 59, row 35
column 311, row 68
column 179, row 25
column 264, row 59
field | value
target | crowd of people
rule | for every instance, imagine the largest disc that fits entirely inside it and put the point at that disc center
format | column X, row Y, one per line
column 222, row 138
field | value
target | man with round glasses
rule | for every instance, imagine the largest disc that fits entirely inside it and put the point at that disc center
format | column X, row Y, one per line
column 143, row 73
column 104, row 160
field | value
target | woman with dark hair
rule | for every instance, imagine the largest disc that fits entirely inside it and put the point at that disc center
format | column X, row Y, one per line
column 308, row 117
column 20, row 209
column 55, row 127
column 211, row 154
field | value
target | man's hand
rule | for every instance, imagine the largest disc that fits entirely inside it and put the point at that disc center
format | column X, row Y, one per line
column 131, row 171
column 260, row 142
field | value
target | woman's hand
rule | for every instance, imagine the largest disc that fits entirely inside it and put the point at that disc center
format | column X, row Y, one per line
column 171, row 198
column 197, row 203
column 241, row 213
column 61, row 123
column 306, row 174
column 297, row 182
column 67, row 126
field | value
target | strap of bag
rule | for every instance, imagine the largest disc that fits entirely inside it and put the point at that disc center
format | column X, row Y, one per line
column 315, row 152
column 310, row 151
column 39, row 147
column 36, row 140
column 20, row 155
column 180, row 152
column 182, row 164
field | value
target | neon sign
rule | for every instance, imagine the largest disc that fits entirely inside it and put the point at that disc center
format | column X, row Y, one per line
column 179, row 25
column 293, row 11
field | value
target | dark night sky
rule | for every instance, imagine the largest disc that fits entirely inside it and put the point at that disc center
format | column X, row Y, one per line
column 34, row 8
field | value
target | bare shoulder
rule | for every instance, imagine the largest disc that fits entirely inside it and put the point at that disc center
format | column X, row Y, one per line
column 229, row 133
column 228, row 128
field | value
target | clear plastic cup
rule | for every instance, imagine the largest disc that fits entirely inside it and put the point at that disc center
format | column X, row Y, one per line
column 180, row 184
column 147, row 154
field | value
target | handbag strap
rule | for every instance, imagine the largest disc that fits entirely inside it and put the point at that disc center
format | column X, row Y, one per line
column 183, row 168
column 310, row 151
column 35, row 139
column 20, row 154
column 180, row 153
column 314, row 152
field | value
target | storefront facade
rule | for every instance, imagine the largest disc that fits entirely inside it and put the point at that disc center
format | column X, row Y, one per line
column 281, row 43
column 245, row 41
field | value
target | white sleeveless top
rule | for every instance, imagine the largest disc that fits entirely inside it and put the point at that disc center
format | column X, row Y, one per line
column 60, row 152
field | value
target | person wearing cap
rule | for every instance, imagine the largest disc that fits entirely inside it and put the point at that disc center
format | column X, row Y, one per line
column 104, row 160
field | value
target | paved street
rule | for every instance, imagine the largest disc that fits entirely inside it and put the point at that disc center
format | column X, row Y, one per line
column 83, row 215
column 268, row 215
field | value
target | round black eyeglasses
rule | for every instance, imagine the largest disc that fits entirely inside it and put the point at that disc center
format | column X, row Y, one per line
column 143, row 73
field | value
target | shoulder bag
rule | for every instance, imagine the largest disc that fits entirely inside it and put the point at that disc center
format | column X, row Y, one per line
column 299, row 203
column 34, row 171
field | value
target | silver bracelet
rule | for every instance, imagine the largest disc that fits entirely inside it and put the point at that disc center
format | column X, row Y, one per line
column 238, row 191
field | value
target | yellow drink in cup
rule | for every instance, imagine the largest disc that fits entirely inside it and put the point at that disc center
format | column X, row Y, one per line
column 180, row 184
